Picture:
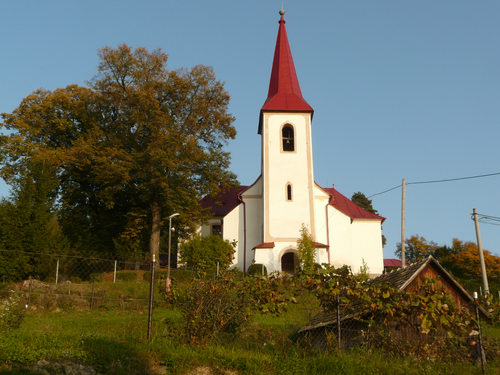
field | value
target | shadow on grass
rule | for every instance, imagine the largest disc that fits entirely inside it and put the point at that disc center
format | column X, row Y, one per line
column 104, row 355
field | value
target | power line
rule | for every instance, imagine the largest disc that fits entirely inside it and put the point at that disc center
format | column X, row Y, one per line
column 436, row 181
column 488, row 219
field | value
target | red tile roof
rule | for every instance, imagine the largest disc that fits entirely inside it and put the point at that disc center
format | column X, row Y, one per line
column 348, row 207
column 392, row 263
column 228, row 200
column 284, row 89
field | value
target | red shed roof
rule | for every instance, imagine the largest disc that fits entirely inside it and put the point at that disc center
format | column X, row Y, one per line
column 284, row 89
column 348, row 207
column 393, row 263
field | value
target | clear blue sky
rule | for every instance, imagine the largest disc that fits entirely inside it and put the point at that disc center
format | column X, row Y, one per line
column 400, row 89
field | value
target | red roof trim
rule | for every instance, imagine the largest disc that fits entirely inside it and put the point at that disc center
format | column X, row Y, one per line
column 265, row 245
column 348, row 207
column 321, row 245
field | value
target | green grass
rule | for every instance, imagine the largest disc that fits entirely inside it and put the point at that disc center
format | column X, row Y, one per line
column 115, row 342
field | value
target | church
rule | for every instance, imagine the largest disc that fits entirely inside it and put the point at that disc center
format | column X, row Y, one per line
column 265, row 218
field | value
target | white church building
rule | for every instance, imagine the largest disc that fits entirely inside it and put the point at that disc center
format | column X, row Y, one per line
column 266, row 217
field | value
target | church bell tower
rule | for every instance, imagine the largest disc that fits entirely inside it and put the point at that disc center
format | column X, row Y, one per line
column 287, row 161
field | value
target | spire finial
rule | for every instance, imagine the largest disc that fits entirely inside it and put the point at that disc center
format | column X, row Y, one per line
column 282, row 12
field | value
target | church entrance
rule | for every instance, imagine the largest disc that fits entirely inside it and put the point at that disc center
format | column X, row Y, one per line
column 289, row 262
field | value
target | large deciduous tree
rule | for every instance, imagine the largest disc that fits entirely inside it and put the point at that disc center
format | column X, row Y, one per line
column 416, row 249
column 139, row 138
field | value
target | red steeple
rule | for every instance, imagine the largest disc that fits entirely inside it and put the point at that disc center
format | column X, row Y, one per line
column 284, row 89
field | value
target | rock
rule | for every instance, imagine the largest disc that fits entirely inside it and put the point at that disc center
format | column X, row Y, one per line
column 42, row 363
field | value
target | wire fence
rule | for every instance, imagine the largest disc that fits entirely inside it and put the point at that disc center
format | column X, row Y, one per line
column 62, row 282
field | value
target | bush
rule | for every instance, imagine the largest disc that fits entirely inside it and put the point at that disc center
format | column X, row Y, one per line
column 256, row 269
column 205, row 252
column 214, row 306
column 127, row 276
column 11, row 313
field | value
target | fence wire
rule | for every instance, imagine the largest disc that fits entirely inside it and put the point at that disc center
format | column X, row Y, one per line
column 53, row 282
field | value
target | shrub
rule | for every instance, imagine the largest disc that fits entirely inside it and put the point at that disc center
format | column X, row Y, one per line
column 307, row 250
column 256, row 269
column 127, row 276
column 205, row 252
column 11, row 313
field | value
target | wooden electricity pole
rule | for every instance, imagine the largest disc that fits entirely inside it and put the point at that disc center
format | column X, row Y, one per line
column 403, row 260
column 481, row 255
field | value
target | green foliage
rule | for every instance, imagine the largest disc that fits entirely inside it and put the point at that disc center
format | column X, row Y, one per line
column 221, row 305
column 203, row 253
column 256, row 269
column 11, row 313
column 428, row 308
column 364, row 271
column 137, row 144
column 416, row 249
column 212, row 307
column 28, row 224
column 362, row 201
column 127, row 276
column 461, row 259
column 306, row 246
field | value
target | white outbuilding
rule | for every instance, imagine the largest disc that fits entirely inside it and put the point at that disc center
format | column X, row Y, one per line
column 266, row 217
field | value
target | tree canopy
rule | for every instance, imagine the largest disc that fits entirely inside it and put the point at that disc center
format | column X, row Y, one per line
column 139, row 143
column 461, row 259
column 416, row 249
column 362, row 201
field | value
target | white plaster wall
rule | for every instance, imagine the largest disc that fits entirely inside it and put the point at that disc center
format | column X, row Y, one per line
column 231, row 229
column 367, row 245
column 272, row 257
column 254, row 221
column 281, row 168
column 321, row 199
column 340, row 238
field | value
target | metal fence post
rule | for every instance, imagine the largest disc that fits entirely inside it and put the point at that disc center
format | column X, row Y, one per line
column 483, row 356
column 57, row 271
column 114, row 274
column 338, row 322
column 151, row 295
column 29, row 295
column 92, row 298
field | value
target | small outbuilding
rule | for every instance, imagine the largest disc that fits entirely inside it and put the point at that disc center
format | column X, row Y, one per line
column 324, row 325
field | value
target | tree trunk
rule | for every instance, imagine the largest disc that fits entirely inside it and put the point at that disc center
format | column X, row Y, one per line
column 154, row 243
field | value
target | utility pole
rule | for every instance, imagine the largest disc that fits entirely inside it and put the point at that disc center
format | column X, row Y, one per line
column 403, row 260
column 481, row 255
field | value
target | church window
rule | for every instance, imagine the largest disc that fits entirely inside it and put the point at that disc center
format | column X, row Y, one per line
column 217, row 230
column 288, row 138
column 288, row 192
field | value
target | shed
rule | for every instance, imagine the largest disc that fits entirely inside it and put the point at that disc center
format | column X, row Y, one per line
column 404, row 279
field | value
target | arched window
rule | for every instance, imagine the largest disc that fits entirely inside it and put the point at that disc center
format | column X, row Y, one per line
column 287, row 137
column 288, row 192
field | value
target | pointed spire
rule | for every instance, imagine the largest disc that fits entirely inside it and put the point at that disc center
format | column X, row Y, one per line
column 284, row 89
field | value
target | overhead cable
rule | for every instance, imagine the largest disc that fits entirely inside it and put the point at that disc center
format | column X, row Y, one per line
column 436, row 181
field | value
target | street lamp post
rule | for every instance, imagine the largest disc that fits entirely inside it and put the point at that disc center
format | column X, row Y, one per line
column 169, row 245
